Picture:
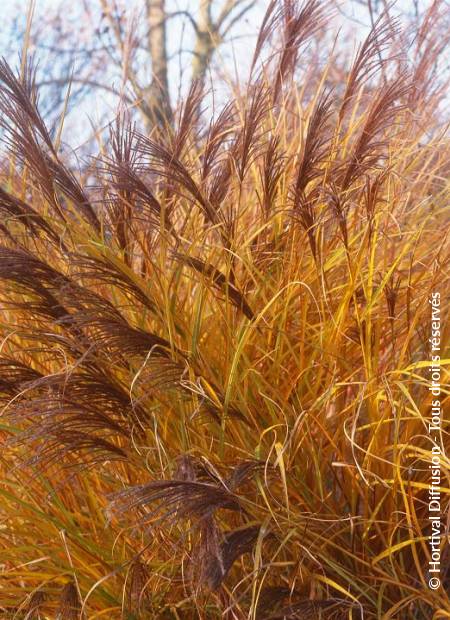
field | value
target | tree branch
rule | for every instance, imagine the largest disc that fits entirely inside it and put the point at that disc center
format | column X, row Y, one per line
column 83, row 81
column 237, row 17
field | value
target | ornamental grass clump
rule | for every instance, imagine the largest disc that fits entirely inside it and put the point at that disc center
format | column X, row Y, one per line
column 214, row 344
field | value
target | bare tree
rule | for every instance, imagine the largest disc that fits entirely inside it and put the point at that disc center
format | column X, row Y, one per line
column 121, row 50
column 124, row 50
column 157, row 97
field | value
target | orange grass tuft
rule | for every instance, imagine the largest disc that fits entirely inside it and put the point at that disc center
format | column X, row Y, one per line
column 215, row 348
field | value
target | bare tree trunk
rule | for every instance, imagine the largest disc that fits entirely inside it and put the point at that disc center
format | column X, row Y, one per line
column 156, row 104
column 207, row 40
column 210, row 33
column 154, row 98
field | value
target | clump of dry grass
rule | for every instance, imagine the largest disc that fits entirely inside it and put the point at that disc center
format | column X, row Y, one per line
column 213, row 380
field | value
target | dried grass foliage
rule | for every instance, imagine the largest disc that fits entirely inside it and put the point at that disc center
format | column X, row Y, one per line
column 212, row 375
